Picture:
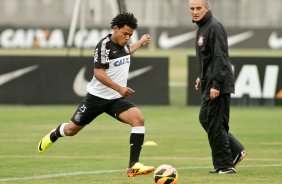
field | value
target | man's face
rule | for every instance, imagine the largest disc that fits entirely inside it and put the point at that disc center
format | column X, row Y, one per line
column 198, row 9
column 122, row 35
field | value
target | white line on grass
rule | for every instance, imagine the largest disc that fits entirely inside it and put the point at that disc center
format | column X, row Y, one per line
column 61, row 175
column 115, row 171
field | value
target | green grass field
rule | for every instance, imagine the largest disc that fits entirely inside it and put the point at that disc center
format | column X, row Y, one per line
column 99, row 154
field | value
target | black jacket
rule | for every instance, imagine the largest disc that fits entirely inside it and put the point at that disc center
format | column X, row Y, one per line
column 212, row 55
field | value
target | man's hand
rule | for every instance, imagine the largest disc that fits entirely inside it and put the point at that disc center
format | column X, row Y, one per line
column 214, row 93
column 126, row 91
column 197, row 83
column 145, row 39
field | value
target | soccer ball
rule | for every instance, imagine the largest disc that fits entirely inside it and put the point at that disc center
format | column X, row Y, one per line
column 165, row 174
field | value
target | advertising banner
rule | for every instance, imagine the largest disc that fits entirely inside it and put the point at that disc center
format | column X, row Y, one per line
column 182, row 37
column 47, row 38
column 258, row 81
column 63, row 80
column 165, row 38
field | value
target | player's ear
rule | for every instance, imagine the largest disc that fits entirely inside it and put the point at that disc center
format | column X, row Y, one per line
column 115, row 28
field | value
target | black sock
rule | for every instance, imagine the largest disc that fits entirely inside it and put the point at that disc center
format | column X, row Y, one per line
column 55, row 135
column 136, row 142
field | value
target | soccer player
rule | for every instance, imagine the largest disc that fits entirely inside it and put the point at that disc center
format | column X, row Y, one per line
column 107, row 89
column 216, row 82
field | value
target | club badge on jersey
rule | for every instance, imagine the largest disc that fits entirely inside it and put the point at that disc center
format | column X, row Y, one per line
column 201, row 40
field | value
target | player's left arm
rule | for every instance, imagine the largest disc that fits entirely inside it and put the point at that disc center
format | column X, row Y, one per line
column 144, row 40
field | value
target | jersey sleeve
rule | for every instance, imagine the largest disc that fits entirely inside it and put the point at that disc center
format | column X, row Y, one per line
column 101, row 55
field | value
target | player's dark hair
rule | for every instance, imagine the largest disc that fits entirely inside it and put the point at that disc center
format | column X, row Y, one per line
column 124, row 18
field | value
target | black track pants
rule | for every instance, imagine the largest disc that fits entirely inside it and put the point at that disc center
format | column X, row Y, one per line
column 214, row 117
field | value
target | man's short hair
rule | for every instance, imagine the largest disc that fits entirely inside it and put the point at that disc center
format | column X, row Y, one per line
column 124, row 18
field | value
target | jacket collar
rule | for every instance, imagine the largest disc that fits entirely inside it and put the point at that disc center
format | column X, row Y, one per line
column 205, row 19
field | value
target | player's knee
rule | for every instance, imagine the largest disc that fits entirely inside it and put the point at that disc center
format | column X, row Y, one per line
column 139, row 121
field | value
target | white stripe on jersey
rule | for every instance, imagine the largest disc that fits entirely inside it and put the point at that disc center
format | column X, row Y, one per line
column 104, row 51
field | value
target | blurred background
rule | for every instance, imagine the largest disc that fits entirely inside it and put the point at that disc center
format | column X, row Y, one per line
column 58, row 31
column 157, row 13
column 46, row 60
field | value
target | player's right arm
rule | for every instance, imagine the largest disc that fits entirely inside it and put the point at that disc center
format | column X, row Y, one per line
column 100, row 74
column 101, row 64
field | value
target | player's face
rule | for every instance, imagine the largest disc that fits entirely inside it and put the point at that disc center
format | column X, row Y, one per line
column 198, row 9
column 122, row 35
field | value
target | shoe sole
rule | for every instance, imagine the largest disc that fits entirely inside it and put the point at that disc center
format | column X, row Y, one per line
column 241, row 158
column 131, row 175
column 227, row 172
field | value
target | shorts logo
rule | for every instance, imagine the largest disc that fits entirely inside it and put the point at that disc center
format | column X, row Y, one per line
column 201, row 40
column 77, row 116
column 79, row 112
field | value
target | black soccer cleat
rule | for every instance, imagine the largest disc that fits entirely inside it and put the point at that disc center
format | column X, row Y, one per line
column 239, row 158
column 230, row 170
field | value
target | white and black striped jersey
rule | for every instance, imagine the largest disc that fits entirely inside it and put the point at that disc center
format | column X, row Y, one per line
column 116, row 60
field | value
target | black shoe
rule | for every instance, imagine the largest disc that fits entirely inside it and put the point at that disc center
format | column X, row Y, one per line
column 230, row 170
column 214, row 171
column 239, row 158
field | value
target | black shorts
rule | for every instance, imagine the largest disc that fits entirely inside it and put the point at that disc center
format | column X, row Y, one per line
column 92, row 106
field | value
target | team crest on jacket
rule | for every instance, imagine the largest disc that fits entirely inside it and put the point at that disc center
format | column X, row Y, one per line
column 201, row 40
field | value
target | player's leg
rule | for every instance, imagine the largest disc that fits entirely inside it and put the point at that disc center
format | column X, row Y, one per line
column 203, row 118
column 128, row 113
column 218, row 118
column 135, row 119
column 84, row 114
column 65, row 129
column 238, row 150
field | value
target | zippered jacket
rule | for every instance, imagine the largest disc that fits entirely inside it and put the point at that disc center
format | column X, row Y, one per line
column 215, row 69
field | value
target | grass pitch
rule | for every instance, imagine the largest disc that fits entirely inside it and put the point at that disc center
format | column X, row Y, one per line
column 99, row 153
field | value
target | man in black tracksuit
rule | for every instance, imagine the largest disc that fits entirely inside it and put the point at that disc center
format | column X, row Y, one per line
column 216, row 82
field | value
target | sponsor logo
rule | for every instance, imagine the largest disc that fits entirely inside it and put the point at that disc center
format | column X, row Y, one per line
column 80, row 83
column 166, row 42
column 139, row 72
column 122, row 61
column 7, row 77
column 235, row 39
column 275, row 42
column 248, row 82
column 49, row 38
column 32, row 38
column 52, row 38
